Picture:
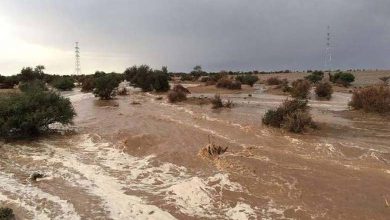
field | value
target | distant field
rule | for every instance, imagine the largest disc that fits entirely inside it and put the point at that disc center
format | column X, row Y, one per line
column 362, row 78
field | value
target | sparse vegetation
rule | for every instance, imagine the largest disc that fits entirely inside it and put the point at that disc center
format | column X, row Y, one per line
column 88, row 84
column 6, row 214
column 30, row 113
column 315, row 76
column 228, row 84
column 300, row 89
column 180, row 88
column 292, row 115
column 342, row 78
column 247, row 79
column 324, row 90
column 371, row 99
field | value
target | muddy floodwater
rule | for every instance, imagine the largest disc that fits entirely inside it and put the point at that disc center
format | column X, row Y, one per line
column 140, row 161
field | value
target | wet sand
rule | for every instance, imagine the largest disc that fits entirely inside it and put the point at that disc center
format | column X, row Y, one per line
column 141, row 162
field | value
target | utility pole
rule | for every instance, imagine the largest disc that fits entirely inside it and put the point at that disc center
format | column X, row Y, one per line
column 328, row 51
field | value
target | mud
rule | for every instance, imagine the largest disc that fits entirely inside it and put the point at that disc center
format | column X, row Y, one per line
column 141, row 162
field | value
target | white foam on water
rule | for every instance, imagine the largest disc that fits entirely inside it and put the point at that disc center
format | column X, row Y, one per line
column 109, row 189
column 241, row 211
column 29, row 196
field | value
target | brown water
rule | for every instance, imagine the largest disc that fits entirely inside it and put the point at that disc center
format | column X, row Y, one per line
column 140, row 162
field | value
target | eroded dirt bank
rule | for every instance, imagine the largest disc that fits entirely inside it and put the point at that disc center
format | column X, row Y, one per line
column 141, row 161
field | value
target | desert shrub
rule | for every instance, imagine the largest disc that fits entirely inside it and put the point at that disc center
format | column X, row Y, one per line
column 105, row 86
column 187, row 77
column 147, row 79
column 371, row 99
column 63, row 83
column 342, row 78
column 122, row 91
column 180, row 88
column 176, row 96
column 247, row 79
column 284, row 85
column 88, row 84
column 385, row 80
column 315, row 76
column 292, row 115
column 32, row 86
column 30, row 113
column 228, row 84
column 300, row 89
column 324, row 90
column 216, row 102
column 6, row 214
column 273, row 81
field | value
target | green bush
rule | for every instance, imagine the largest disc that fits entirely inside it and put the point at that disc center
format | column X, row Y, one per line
column 30, row 113
column 292, row 115
column 247, row 79
column 6, row 214
column 315, row 76
column 105, row 86
column 342, row 78
column 32, row 86
column 63, row 83
column 88, row 84
column 371, row 99
column 300, row 89
column 324, row 90
column 187, row 77
column 147, row 79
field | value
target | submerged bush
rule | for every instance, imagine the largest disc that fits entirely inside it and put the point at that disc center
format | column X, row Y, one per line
column 147, row 79
column 63, row 83
column 30, row 113
column 342, row 78
column 228, row 84
column 292, row 115
column 274, row 80
column 247, row 79
column 217, row 102
column 315, row 76
column 371, row 99
column 324, row 90
column 105, row 86
column 88, row 84
column 6, row 214
column 176, row 96
column 300, row 89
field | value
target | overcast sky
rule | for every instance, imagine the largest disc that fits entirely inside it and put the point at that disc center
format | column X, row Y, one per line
column 216, row 34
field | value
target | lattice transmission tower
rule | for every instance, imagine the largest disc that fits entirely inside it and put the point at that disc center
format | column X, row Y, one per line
column 77, row 61
column 328, row 51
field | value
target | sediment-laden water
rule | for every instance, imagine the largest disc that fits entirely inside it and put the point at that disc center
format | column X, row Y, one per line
column 129, row 161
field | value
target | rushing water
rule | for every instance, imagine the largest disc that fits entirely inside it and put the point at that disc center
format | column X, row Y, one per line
column 130, row 161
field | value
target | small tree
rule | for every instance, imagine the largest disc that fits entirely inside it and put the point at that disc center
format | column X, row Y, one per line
column 105, row 86
column 88, row 84
column 315, row 76
column 30, row 113
column 300, row 89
